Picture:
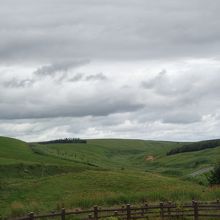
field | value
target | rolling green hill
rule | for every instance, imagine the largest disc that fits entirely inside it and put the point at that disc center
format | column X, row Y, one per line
column 18, row 160
column 35, row 177
column 14, row 150
column 109, row 152
column 134, row 155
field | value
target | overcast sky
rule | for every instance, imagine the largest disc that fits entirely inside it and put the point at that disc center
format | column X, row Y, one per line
column 141, row 69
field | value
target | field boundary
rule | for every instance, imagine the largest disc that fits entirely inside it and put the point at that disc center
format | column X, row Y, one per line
column 164, row 210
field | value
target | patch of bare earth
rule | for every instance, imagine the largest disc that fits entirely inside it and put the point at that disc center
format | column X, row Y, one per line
column 149, row 158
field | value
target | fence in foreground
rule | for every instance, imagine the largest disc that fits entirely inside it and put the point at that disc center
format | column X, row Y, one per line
column 163, row 211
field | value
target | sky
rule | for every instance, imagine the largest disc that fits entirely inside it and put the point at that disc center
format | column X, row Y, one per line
column 139, row 69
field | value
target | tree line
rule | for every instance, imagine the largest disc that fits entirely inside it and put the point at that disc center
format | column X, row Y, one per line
column 65, row 141
column 195, row 146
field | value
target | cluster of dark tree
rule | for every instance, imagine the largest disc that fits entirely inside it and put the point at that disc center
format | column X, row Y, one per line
column 65, row 141
column 195, row 146
column 214, row 177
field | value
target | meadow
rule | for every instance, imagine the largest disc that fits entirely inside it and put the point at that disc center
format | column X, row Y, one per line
column 107, row 172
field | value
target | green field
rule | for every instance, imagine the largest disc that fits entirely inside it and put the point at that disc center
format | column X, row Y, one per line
column 37, row 178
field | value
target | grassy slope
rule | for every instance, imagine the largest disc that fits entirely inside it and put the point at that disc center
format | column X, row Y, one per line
column 65, row 173
column 84, row 189
column 133, row 154
column 188, row 162
column 18, row 161
column 15, row 151
column 110, row 152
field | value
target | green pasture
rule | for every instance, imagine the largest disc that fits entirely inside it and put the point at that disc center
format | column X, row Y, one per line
column 105, row 172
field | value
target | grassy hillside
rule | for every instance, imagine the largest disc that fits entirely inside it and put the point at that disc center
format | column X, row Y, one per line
column 109, row 152
column 15, row 151
column 134, row 154
column 18, row 161
column 84, row 189
column 36, row 177
column 185, row 163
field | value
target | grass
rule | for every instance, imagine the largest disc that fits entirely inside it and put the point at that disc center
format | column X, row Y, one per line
column 186, row 163
column 84, row 189
column 103, row 172
column 109, row 152
column 14, row 151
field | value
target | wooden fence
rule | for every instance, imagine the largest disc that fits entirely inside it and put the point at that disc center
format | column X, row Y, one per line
column 163, row 211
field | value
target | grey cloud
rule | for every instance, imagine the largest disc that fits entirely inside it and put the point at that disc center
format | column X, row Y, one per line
column 59, row 67
column 112, row 30
column 17, row 83
column 182, row 117
column 76, row 78
column 168, row 85
column 49, row 107
column 158, row 79
column 122, row 126
column 181, row 98
column 169, row 98
column 85, row 77
column 98, row 76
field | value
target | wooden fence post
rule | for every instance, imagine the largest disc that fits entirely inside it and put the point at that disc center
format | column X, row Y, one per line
column 128, row 208
column 90, row 216
column 31, row 216
column 122, row 209
column 63, row 213
column 196, row 210
column 96, row 212
column 142, row 210
column 146, row 206
column 161, row 210
column 52, row 213
column 116, row 213
column 169, row 209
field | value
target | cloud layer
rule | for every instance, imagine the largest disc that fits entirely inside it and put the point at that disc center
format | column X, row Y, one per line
column 135, row 69
column 45, row 31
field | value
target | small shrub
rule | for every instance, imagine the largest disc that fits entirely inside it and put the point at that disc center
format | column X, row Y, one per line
column 214, row 177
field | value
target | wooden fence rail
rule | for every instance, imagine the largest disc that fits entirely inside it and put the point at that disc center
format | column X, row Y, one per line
column 164, row 211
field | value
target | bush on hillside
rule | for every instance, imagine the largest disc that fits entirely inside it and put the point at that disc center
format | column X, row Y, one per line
column 214, row 177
